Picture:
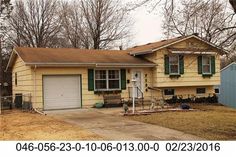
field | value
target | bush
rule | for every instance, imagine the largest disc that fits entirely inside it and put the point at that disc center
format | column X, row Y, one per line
column 209, row 99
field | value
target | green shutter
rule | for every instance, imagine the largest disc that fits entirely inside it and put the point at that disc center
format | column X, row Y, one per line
column 213, row 65
column 123, row 79
column 166, row 62
column 181, row 64
column 90, row 79
column 199, row 59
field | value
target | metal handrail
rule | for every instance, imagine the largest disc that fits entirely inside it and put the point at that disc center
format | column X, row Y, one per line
column 138, row 90
column 157, row 89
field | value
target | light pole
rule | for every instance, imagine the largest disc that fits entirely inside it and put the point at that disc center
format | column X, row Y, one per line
column 133, row 86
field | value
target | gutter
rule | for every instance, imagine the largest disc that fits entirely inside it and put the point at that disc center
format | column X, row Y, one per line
column 42, row 113
column 89, row 65
column 141, row 52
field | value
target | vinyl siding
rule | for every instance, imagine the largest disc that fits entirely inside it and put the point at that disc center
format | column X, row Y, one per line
column 24, row 78
column 228, row 86
column 88, row 97
column 190, row 76
column 153, row 77
column 190, row 91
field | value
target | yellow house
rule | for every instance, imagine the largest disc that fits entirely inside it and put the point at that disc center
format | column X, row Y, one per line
column 74, row 78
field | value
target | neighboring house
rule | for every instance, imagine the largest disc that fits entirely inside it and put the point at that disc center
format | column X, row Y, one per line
column 73, row 78
column 227, row 92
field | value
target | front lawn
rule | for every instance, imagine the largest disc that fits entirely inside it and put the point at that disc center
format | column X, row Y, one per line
column 17, row 125
column 210, row 122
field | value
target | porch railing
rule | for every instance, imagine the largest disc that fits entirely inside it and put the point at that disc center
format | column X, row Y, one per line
column 139, row 95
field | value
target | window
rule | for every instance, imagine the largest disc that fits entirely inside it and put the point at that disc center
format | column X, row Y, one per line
column 201, row 90
column 217, row 91
column 169, row 92
column 206, row 65
column 100, row 79
column 107, row 79
column 16, row 79
column 114, row 79
column 174, row 64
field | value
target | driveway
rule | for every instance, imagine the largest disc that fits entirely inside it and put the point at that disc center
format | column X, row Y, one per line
column 113, row 126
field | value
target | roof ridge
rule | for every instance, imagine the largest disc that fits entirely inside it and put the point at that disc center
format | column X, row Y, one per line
column 156, row 42
column 64, row 48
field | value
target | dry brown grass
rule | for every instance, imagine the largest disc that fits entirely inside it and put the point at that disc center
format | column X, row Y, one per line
column 16, row 125
column 211, row 122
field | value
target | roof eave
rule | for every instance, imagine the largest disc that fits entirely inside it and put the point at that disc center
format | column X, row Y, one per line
column 9, row 63
column 227, row 66
column 221, row 50
column 141, row 53
column 127, row 65
column 14, row 53
column 90, row 65
column 11, row 59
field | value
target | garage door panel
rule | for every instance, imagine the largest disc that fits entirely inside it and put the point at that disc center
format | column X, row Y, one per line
column 61, row 92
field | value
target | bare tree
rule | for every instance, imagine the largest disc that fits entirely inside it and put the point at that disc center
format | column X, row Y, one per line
column 5, row 10
column 73, row 26
column 36, row 23
column 211, row 19
column 105, row 22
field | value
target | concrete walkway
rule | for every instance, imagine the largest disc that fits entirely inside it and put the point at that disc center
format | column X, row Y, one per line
column 112, row 126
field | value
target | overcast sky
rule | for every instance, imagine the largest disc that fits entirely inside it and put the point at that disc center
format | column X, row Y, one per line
column 147, row 26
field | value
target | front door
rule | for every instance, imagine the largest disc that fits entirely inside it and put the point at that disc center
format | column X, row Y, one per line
column 137, row 75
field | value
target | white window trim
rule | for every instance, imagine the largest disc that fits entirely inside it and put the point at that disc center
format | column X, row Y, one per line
column 119, row 79
column 169, row 89
column 99, row 79
column 174, row 64
column 206, row 64
column 107, row 80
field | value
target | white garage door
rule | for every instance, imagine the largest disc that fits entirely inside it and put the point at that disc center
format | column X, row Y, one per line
column 61, row 92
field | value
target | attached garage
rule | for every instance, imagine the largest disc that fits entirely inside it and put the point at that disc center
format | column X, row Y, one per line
column 61, row 92
column 67, row 78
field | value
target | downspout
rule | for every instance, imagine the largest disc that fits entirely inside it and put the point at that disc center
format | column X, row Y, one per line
column 35, row 67
column 36, row 110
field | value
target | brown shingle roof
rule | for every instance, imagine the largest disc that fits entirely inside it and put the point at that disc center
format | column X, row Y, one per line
column 151, row 46
column 70, row 56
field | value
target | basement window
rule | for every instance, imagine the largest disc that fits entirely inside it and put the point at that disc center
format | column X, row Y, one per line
column 217, row 91
column 169, row 92
column 201, row 90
